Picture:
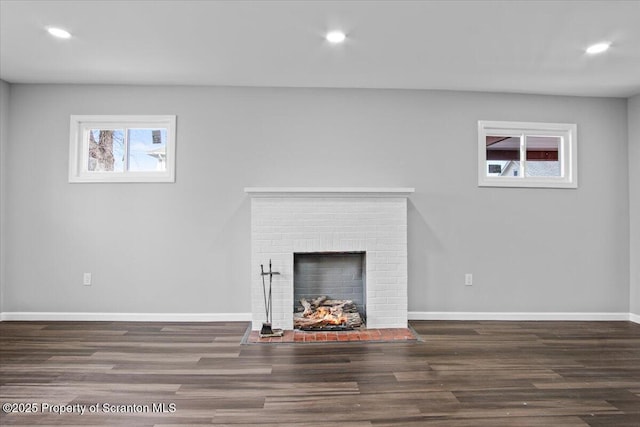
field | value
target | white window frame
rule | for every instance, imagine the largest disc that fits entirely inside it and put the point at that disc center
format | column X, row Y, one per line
column 567, row 153
column 79, row 147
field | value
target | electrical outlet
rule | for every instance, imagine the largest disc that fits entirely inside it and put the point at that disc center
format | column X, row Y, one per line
column 468, row 279
column 86, row 279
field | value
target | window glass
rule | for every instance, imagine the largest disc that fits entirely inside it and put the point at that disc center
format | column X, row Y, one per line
column 543, row 156
column 147, row 149
column 503, row 155
column 106, row 148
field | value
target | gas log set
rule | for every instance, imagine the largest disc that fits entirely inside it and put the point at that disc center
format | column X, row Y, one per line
column 323, row 314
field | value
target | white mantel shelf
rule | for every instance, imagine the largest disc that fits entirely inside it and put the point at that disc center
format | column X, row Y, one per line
column 329, row 191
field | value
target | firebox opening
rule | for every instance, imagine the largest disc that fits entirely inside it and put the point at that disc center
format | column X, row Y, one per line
column 329, row 290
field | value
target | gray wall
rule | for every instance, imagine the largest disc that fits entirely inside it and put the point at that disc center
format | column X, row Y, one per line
column 634, row 201
column 184, row 247
column 4, row 135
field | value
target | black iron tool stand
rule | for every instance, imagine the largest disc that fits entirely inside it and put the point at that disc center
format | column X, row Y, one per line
column 267, row 330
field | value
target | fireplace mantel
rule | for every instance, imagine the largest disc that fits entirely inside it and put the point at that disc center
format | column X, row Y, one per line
column 328, row 191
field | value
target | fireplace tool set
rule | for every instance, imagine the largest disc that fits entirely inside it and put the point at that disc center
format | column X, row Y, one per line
column 267, row 330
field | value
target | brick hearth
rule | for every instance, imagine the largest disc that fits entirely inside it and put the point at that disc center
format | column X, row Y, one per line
column 367, row 335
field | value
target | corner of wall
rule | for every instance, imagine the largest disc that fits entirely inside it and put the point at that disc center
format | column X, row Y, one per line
column 633, row 123
column 5, row 91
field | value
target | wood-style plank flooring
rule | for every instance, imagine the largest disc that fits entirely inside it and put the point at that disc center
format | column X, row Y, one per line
column 460, row 374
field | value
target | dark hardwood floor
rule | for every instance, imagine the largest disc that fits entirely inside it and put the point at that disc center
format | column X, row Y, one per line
column 461, row 374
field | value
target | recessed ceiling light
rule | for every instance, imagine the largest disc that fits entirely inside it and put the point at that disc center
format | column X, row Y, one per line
column 59, row 33
column 598, row 48
column 335, row 37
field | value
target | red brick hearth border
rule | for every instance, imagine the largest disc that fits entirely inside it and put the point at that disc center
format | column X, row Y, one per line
column 366, row 335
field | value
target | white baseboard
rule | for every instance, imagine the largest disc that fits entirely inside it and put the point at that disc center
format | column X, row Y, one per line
column 463, row 315
column 246, row 317
column 127, row 317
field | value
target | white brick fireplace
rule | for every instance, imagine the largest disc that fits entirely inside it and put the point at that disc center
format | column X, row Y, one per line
column 285, row 221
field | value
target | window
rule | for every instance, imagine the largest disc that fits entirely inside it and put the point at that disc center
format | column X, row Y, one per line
column 122, row 149
column 520, row 154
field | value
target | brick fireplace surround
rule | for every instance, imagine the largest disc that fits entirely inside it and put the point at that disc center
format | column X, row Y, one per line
column 285, row 221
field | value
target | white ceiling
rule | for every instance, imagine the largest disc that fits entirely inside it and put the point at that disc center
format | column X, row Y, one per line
column 497, row 46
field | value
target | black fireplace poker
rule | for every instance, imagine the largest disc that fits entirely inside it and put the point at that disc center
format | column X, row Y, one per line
column 267, row 329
